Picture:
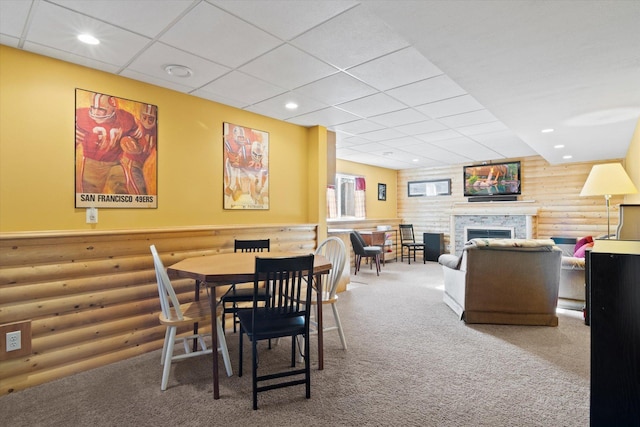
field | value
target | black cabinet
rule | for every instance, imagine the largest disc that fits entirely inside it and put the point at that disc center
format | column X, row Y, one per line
column 433, row 245
column 615, row 335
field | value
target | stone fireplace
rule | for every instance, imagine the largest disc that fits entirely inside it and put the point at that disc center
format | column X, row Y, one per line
column 493, row 220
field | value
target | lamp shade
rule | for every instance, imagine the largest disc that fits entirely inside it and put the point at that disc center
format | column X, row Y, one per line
column 608, row 179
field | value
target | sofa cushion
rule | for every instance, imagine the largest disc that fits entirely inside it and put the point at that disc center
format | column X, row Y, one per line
column 531, row 244
column 580, row 253
column 580, row 243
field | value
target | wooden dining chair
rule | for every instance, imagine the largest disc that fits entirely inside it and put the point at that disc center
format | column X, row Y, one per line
column 335, row 251
column 235, row 294
column 284, row 314
column 408, row 242
column 175, row 315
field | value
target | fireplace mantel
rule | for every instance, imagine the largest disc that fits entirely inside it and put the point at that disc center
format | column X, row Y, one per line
column 520, row 216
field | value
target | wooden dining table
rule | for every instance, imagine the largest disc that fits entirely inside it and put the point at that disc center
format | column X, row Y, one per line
column 233, row 268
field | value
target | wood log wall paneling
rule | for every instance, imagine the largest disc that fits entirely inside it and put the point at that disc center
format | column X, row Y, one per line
column 554, row 189
column 92, row 297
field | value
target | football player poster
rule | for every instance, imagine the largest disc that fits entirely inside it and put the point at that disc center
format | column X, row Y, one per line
column 116, row 152
column 246, row 167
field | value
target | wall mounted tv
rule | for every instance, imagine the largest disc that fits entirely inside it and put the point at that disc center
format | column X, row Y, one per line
column 494, row 181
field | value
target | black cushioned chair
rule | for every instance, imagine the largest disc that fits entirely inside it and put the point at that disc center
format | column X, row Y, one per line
column 237, row 295
column 408, row 242
column 361, row 250
column 283, row 314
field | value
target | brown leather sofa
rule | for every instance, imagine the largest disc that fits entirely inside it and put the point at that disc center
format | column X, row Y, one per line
column 504, row 281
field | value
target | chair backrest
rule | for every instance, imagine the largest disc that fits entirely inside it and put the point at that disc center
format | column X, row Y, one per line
column 629, row 224
column 252, row 245
column 168, row 298
column 335, row 251
column 286, row 282
column 357, row 243
column 406, row 233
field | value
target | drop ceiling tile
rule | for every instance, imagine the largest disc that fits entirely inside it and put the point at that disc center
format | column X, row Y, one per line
column 449, row 107
column 55, row 27
column 438, row 153
column 403, row 141
column 275, row 107
column 336, row 88
column 506, row 143
column 370, row 147
column 380, row 135
column 152, row 61
column 470, row 148
column 201, row 30
column 137, row 15
column 301, row 67
column 219, row 99
column 13, row 16
column 9, row 41
column 284, row 18
column 396, row 69
column 70, row 57
column 372, row 105
column 439, row 135
column 354, row 140
column 398, row 118
column 242, row 87
column 425, row 91
column 423, row 127
column 482, row 128
column 468, row 119
column 329, row 117
column 350, row 38
column 174, row 85
column 358, row 127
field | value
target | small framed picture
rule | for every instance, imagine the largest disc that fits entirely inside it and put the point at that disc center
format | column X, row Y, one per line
column 438, row 187
column 382, row 191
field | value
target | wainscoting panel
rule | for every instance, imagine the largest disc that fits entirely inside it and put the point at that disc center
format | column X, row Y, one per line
column 92, row 297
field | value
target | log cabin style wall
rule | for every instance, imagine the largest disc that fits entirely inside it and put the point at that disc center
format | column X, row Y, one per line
column 91, row 297
column 554, row 189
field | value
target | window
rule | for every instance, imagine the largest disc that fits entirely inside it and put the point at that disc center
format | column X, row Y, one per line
column 350, row 196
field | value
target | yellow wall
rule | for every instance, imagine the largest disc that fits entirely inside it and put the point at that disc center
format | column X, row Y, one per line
column 374, row 175
column 632, row 166
column 37, row 153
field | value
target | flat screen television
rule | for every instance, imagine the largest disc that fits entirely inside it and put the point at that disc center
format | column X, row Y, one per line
column 492, row 180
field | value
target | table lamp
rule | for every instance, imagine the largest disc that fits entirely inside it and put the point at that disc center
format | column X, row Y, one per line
column 607, row 180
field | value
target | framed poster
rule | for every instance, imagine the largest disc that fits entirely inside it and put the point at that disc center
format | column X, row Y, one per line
column 116, row 143
column 246, row 167
column 382, row 191
column 438, row 187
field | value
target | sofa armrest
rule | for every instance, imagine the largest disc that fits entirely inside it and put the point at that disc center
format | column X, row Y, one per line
column 450, row 261
column 572, row 263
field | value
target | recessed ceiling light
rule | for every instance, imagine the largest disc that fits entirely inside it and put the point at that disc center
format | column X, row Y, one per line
column 178, row 70
column 547, row 130
column 88, row 39
column 558, row 146
column 567, row 157
column 291, row 106
column 416, row 160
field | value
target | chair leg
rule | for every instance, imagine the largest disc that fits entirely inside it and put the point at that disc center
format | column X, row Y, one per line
column 222, row 342
column 339, row 324
column 240, row 352
column 254, row 362
column 170, row 338
column 357, row 266
column 378, row 264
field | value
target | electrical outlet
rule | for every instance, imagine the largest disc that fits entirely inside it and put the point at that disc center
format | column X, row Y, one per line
column 14, row 340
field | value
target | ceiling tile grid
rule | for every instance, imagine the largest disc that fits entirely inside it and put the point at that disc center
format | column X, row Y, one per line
column 403, row 84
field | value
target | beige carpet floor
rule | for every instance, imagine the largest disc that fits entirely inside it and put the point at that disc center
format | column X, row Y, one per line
column 410, row 362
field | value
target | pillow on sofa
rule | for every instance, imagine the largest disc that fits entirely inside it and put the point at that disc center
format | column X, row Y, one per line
column 580, row 243
column 580, row 253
